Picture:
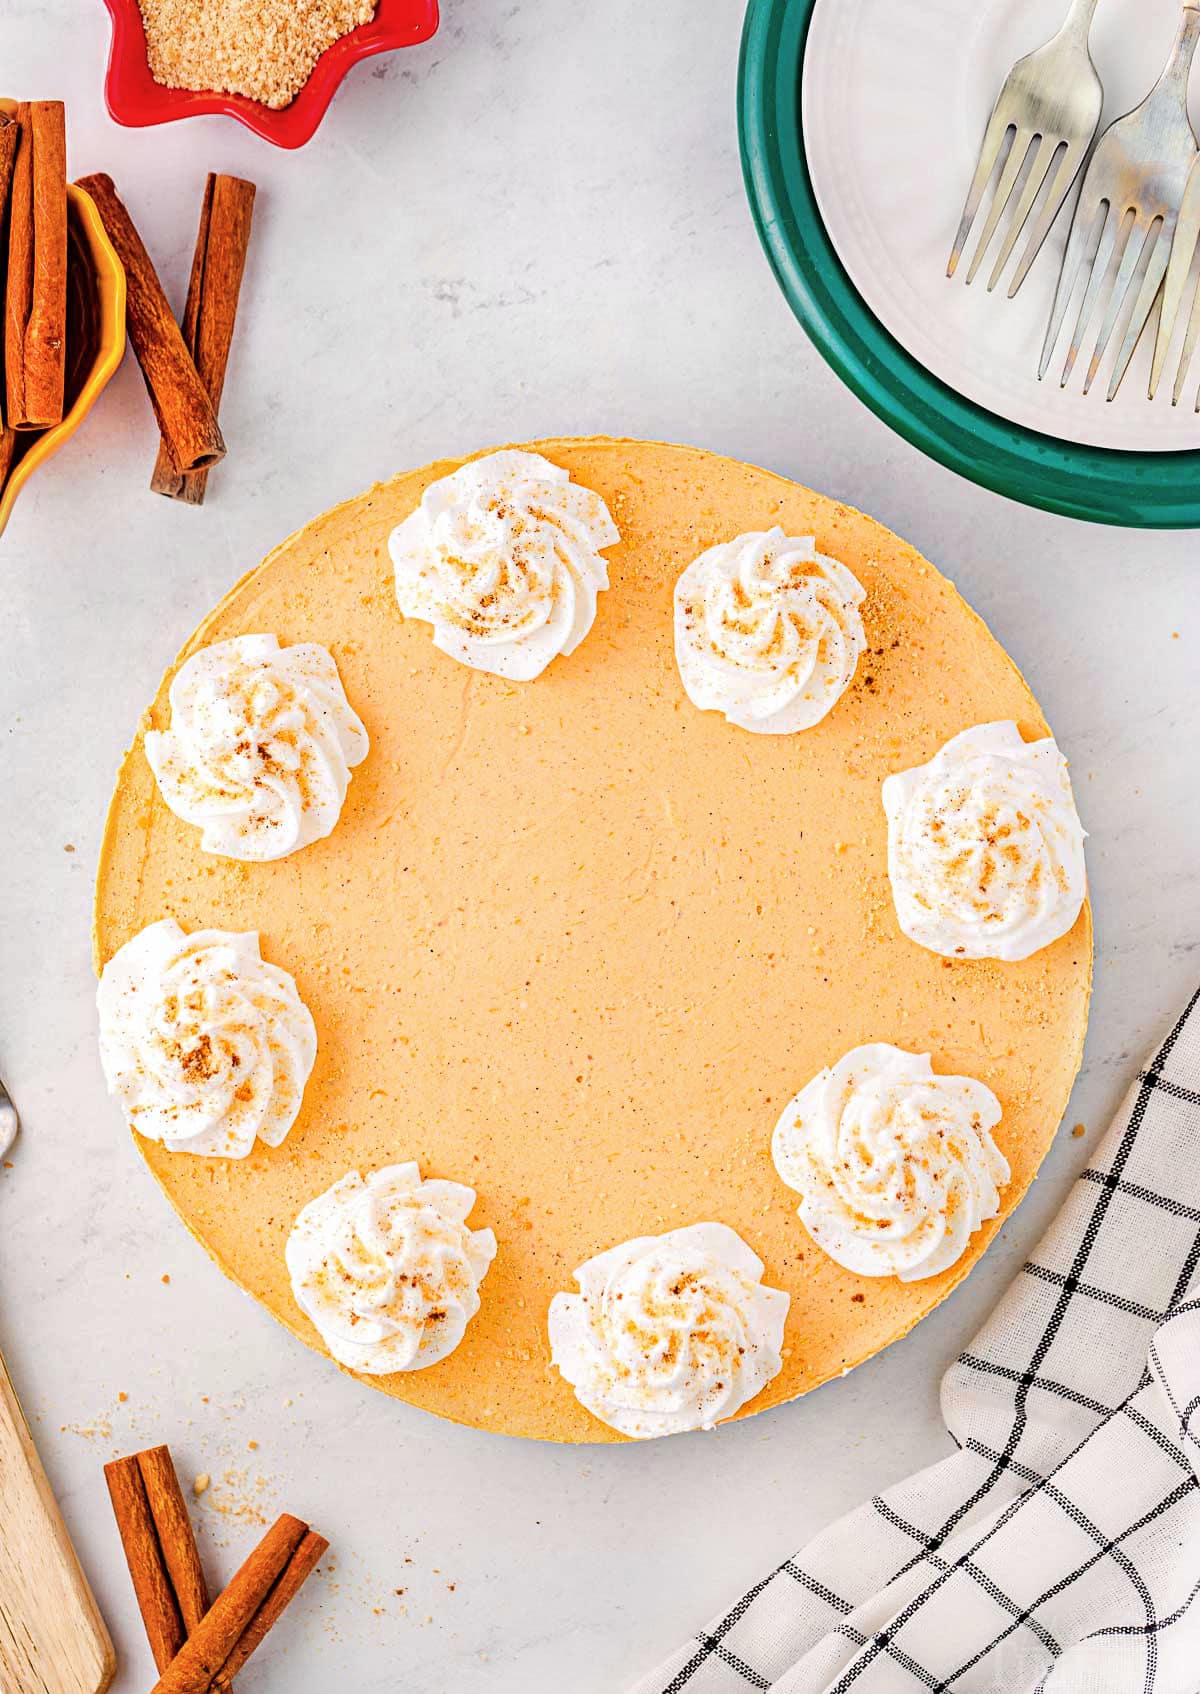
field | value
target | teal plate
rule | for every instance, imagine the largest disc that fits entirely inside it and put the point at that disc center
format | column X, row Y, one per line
column 1102, row 485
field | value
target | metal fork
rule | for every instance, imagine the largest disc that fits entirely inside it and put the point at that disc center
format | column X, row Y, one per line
column 9, row 1121
column 1047, row 113
column 1183, row 251
column 1125, row 216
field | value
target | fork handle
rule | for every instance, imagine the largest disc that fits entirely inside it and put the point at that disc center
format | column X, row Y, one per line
column 1176, row 72
column 1079, row 18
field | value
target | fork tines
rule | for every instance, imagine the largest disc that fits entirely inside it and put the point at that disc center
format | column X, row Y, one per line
column 1112, row 249
column 1052, row 164
column 1125, row 218
column 1044, row 120
column 1183, row 253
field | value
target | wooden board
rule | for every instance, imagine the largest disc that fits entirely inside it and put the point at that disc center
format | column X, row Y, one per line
column 52, row 1637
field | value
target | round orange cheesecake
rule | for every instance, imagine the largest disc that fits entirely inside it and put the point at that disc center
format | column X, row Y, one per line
column 577, row 944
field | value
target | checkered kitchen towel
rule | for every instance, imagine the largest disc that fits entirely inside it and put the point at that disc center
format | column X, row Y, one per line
column 1059, row 1548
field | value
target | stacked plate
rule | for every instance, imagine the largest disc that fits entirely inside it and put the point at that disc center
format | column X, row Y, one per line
column 860, row 125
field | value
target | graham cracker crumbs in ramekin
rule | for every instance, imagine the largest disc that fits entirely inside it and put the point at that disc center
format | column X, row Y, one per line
column 264, row 49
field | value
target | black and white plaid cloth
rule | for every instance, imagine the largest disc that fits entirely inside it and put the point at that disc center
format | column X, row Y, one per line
column 1059, row 1548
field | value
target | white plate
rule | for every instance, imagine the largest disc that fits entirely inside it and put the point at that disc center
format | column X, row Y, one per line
column 895, row 97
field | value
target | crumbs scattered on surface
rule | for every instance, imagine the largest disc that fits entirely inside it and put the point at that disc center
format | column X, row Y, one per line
column 1079, row 1129
column 200, row 1483
column 100, row 1429
column 233, row 1500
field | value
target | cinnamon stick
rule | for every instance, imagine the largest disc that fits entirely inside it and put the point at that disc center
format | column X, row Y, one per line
column 211, row 309
column 299, row 1568
column 204, row 1655
column 143, row 1554
column 198, row 1648
column 46, row 334
column 10, row 133
column 186, row 419
column 19, row 277
column 35, row 340
column 175, row 1537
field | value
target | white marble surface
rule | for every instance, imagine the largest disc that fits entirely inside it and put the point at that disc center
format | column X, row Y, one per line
column 534, row 224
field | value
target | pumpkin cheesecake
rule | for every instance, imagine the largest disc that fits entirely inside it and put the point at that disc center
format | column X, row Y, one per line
column 547, row 788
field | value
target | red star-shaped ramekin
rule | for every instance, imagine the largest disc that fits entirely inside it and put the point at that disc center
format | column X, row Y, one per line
column 134, row 98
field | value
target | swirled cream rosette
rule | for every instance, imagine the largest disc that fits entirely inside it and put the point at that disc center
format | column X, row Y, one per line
column 895, row 1165
column 503, row 557
column 206, row 1045
column 259, row 748
column 985, row 847
column 768, row 631
column 669, row 1332
column 387, row 1268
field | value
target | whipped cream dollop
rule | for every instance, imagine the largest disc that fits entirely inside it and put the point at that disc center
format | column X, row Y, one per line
column 503, row 558
column 767, row 631
column 669, row 1332
column 895, row 1166
column 985, row 847
column 205, row 1044
column 387, row 1269
column 259, row 748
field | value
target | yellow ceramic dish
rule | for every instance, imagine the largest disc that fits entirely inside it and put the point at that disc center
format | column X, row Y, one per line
column 109, row 277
